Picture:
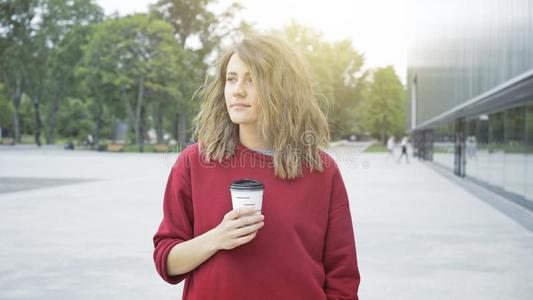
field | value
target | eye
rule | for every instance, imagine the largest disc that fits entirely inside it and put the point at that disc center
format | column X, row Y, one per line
column 231, row 79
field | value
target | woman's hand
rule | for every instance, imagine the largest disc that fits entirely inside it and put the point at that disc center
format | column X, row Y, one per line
column 238, row 227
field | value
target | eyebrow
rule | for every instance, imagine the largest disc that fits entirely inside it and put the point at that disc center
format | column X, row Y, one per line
column 235, row 73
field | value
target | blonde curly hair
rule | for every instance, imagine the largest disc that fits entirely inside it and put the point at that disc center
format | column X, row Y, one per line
column 290, row 118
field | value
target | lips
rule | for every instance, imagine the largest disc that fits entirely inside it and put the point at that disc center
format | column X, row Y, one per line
column 239, row 105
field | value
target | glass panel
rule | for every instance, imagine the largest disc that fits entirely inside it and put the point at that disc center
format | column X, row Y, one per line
column 471, row 148
column 443, row 147
column 482, row 153
column 428, row 140
column 529, row 154
column 496, row 152
column 515, row 159
column 460, row 139
column 461, row 49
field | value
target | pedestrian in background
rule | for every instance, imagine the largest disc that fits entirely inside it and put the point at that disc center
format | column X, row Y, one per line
column 403, row 144
column 390, row 148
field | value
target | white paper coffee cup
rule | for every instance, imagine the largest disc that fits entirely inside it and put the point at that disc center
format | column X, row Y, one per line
column 247, row 193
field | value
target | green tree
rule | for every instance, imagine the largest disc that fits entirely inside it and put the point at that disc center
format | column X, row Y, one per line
column 6, row 112
column 335, row 68
column 62, row 62
column 75, row 121
column 96, row 74
column 129, row 64
column 16, row 18
column 384, row 108
column 56, row 18
column 27, row 124
column 193, row 19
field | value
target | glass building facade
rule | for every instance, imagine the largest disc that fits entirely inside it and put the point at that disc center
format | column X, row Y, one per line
column 470, row 81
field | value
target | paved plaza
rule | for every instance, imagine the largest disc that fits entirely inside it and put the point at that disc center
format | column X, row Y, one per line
column 79, row 225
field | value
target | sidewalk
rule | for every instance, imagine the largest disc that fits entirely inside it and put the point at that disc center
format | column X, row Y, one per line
column 419, row 236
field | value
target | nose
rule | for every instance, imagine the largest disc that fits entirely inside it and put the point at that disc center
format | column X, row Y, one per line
column 239, row 90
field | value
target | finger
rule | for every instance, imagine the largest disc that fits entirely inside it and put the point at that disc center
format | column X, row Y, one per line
column 239, row 212
column 248, row 220
column 246, row 230
column 245, row 239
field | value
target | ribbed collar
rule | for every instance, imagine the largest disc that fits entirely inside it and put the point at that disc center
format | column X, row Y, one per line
column 243, row 150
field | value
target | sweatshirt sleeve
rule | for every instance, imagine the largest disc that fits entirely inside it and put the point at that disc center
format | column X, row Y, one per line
column 340, row 260
column 177, row 223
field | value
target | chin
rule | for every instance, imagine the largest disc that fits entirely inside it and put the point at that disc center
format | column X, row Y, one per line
column 240, row 121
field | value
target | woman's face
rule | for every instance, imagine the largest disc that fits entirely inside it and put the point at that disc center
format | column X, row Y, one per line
column 240, row 93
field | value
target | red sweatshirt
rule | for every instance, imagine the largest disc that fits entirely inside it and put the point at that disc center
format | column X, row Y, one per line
column 305, row 250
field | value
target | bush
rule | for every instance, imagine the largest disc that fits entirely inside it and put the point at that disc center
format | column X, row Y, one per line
column 115, row 148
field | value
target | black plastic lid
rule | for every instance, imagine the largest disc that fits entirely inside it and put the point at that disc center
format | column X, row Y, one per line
column 246, row 184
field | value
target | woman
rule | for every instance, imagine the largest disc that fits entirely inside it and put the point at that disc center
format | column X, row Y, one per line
column 390, row 148
column 258, row 120
column 404, row 150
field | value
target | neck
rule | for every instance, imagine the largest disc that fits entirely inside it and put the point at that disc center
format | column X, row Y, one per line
column 250, row 137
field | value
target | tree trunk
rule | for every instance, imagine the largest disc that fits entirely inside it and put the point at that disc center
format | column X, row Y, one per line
column 38, row 124
column 159, row 124
column 181, row 116
column 16, row 125
column 182, row 128
column 98, row 125
column 16, row 96
column 114, row 130
column 138, row 112
column 97, row 133
column 129, row 108
column 51, row 126
column 176, row 127
column 142, row 129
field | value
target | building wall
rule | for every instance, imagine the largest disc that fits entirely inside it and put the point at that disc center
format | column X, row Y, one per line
column 461, row 49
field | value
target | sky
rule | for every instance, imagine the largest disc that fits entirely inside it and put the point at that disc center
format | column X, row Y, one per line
column 377, row 28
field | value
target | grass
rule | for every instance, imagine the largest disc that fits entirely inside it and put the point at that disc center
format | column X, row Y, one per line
column 376, row 147
column 25, row 139
column 6, row 141
column 136, row 148
column 148, row 148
